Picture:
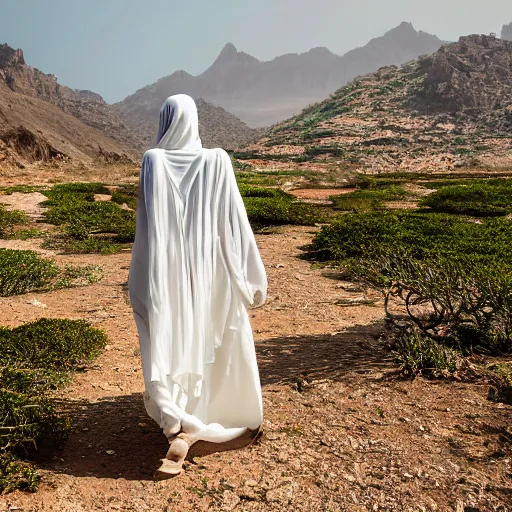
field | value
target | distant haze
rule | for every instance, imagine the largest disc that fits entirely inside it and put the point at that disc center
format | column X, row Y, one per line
column 115, row 47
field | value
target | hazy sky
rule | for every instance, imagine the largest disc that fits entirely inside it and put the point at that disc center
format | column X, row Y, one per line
column 115, row 47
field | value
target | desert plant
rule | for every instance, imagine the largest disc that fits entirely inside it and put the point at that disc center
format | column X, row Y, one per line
column 35, row 358
column 25, row 271
column 449, row 277
column 416, row 353
column 479, row 198
column 367, row 199
column 501, row 382
column 10, row 219
column 89, row 226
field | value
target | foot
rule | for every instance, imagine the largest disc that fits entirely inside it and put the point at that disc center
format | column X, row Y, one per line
column 172, row 465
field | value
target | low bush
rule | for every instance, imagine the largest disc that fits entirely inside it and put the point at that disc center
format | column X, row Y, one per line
column 89, row 226
column 10, row 219
column 58, row 344
column 501, row 382
column 36, row 358
column 480, row 198
column 268, row 207
column 127, row 194
column 25, row 271
column 449, row 277
column 369, row 236
column 367, row 199
column 274, row 211
column 416, row 353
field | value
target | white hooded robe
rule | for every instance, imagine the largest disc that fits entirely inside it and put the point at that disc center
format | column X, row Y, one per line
column 195, row 270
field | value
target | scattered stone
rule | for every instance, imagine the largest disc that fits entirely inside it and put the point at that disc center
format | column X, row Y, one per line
column 37, row 303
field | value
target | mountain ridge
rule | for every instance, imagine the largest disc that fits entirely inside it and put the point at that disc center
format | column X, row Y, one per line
column 43, row 121
column 441, row 112
column 261, row 93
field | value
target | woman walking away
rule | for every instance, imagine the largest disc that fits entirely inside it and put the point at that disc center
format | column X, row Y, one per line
column 195, row 270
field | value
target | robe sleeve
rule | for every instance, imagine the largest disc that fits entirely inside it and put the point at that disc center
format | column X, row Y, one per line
column 149, row 271
column 138, row 279
column 240, row 252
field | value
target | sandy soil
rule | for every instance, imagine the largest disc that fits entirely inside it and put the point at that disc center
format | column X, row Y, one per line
column 342, row 431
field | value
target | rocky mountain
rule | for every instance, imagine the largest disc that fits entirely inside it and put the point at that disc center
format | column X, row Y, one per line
column 262, row 93
column 448, row 110
column 42, row 120
column 506, row 32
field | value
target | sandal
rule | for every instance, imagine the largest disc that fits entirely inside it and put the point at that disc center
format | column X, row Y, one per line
column 172, row 465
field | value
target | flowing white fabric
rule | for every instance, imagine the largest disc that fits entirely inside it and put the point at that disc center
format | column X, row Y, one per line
column 195, row 270
column 179, row 124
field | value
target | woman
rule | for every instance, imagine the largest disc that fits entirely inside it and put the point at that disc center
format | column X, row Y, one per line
column 195, row 270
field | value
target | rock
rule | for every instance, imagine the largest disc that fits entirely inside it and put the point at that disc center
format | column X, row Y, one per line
column 229, row 500
column 282, row 494
column 37, row 303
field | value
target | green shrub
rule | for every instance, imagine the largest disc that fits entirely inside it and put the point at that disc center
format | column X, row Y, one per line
column 458, row 303
column 24, row 271
column 251, row 191
column 47, row 343
column 416, row 353
column 92, row 245
column 501, row 382
column 89, row 226
column 35, row 358
column 367, row 199
column 478, row 198
column 273, row 207
column 10, row 219
column 273, row 211
column 17, row 474
column 128, row 195
column 452, row 276
column 369, row 236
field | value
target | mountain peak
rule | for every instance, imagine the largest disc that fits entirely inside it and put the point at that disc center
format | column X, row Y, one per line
column 228, row 50
column 406, row 27
column 10, row 57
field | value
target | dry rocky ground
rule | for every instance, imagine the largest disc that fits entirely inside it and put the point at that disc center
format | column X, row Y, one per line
column 342, row 430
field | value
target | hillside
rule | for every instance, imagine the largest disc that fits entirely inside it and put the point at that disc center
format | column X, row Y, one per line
column 262, row 93
column 43, row 121
column 217, row 128
column 442, row 111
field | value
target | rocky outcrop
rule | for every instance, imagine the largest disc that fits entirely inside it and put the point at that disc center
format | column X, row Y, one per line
column 473, row 75
column 506, row 32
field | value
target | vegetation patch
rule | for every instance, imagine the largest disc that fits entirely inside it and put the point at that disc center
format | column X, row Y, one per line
column 481, row 198
column 501, row 383
column 449, row 277
column 36, row 358
column 367, row 199
column 9, row 219
column 126, row 194
column 88, row 226
column 268, row 207
column 26, row 271
column 23, row 189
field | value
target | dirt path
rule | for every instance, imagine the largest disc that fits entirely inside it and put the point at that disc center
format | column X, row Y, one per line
column 341, row 431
